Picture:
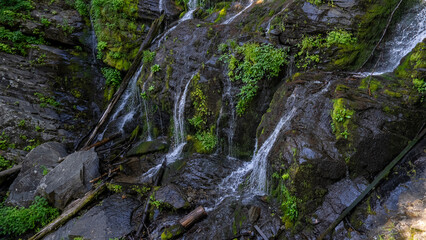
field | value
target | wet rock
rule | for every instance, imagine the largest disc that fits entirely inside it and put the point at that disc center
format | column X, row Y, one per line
column 172, row 232
column 70, row 179
column 172, row 196
column 254, row 213
column 143, row 148
column 108, row 220
column 36, row 164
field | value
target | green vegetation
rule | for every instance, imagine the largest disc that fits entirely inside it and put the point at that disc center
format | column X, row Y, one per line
column 114, row 187
column 81, row 7
column 15, row 42
column 115, row 24
column 205, row 140
column 4, row 163
column 112, row 76
column 341, row 118
column 311, row 46
column 148, row 56
column 5, row 142
column 288, row 202
column 257, row 62
column 12, row 10
column 16, row 221
column 32, row 143
column 155, row 68
column 44, row 101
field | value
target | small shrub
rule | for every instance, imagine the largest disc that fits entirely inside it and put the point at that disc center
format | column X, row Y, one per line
column 148, row 56
column 155, row 68
column 112, row 76
column 4, row 163
column 16, row 221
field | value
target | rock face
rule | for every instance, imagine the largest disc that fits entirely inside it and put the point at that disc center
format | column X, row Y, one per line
column 108, row 220
column 171, row 195
column 70, row 179
column 36, row 164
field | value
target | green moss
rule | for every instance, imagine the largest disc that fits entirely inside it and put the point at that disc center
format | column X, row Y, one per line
column 392, row 94
column 115, row 24
column 371, row 84
column 341, row 117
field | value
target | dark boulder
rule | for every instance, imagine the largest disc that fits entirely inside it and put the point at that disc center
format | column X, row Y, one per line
column 70, row 179
column 36, row 164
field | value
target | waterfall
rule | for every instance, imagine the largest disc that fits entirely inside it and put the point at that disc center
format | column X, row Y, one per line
column 232, row 119
column 178, row 115
column 161, row 6
column 93, row 40
column 179, row 131
column 128, row 105
column 404, row 37
column 238, row 14
column 148, row 125
column 268, row 28
column 192, row 5
column 258, row 178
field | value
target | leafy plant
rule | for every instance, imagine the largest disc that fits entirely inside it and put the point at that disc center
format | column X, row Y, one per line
column 112, row 76
column 16, row 221
column 21, row 123
column 4, row 163
column 81, row 7
column 207, row 139
column 44, row 101
column 32, row 143
column 259, row 61
column 155, row 68
column 45, row 22
column 114, row 187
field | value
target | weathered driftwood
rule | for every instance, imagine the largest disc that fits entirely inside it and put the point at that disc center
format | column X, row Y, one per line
column 153, row 31
column 193, row 217
column 6, row 174
column 69, row 213
column 372, row 185
column 146, row 208
column 383, row 35
column 103, row 175
column 260, row 232
column 102, row 142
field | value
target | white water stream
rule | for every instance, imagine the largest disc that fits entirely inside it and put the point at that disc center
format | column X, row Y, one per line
column 192, row 5
column 407, row 33
column 230, row 20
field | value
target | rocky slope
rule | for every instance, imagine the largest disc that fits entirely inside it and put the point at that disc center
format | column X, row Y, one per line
column 252, row 103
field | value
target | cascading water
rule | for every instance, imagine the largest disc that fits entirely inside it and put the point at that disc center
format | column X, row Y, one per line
column 404, row 37
column 148, row 124
column 230, row 20
column 258, row 183
column 179, row 131
column 268, row 28
column 128, row 105
column 232, row 119
column 192, row 5
column 93, row 40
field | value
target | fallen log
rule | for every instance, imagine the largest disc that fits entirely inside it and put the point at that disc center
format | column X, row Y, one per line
column 103, row 175
column 175, row 230
column 153, row 31
column 102, row 142
column 193, row 217
column 6, row 174
column 260, row 232
column 68, row 214
column 372, row 185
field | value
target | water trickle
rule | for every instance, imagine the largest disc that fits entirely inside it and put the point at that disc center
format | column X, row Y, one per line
column 268, row 28
column 192, row 5
column 161, row 6
column 93, row 40
column 404, row 37
column 178, row 117
column 179, row 131
column 128, row 105
column 230, row 20
column 232, row 120
column 148, row 124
